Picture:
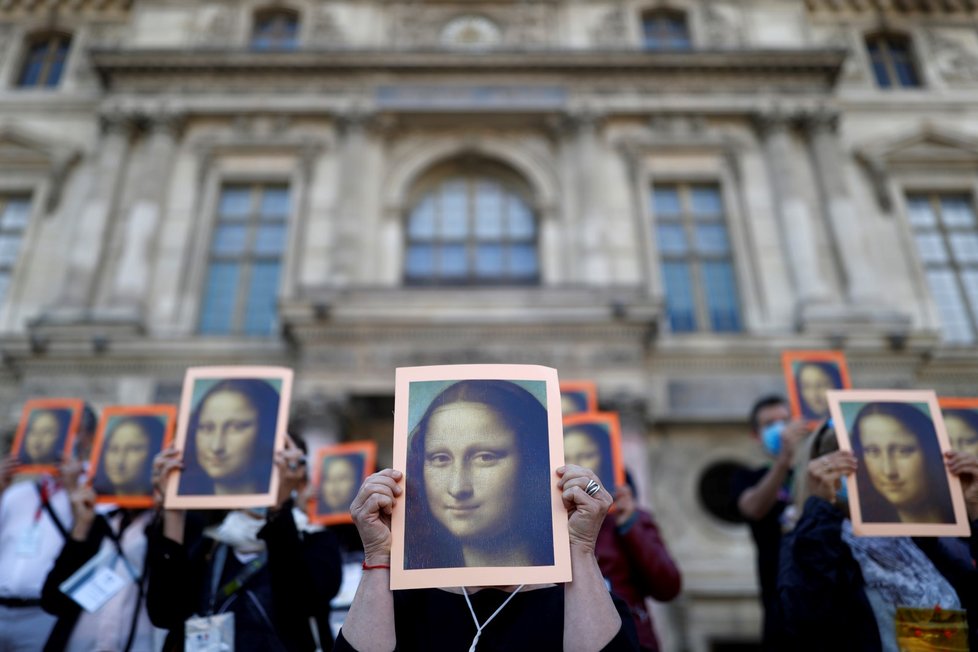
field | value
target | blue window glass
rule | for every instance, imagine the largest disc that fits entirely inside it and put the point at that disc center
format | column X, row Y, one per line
column 275, row 30
column 220, row 297
column 680, row 302
column 891, row 57
column 665, row 31
column 14, row 214
column 247, row 247
column 44, row 61
column 471, row 230
column 721, row 296
column 698, row 276
column 261, row 313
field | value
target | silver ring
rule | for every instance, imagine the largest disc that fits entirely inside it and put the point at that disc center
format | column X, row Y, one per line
column 592, row 488
column 293, row 466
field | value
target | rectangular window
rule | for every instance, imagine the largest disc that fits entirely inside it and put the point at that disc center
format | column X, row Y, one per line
column 15, row 211
column 945, row 231
column 44, row 61
column 241, row 287
column 892, row 59
column 697, row 261
column 665, row 30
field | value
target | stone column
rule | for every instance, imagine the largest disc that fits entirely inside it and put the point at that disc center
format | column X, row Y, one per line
column 130, row 283
column 351, row 129
column 851, row 237
column 93, row 224
column 594, row 268
column 797, row 227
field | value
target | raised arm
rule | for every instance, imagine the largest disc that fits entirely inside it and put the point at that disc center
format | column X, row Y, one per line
column 591, row 620
column 369, row 626
column 756, row 502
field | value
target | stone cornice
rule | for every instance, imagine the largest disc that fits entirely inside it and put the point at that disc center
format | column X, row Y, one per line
column 967, row 8
column 805, row 69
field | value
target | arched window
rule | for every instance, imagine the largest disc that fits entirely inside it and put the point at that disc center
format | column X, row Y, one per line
column 45, row 60
column 893, row 62
column 471, row 225
column 664, row 29
column 275, row 29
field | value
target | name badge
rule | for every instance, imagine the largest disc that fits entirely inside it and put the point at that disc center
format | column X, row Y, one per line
column 95, row 583
column 209, row 633
column 29, row 541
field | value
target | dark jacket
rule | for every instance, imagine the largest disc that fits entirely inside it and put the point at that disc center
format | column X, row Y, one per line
column 272, row 608
column 821, row 586
column 637, row 564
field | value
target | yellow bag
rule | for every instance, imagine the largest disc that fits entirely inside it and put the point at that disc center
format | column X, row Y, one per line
column 931, row 629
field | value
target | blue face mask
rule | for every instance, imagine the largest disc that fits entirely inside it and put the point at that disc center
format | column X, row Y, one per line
column 843, row 493
column 771, row 437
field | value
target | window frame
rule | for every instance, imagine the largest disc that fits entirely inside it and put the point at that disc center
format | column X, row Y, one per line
column 52, row 39
column 885, row 41
column 693, row 257
column 662, row 17
column 277, row 42
column 472, row 172
column 12, row 268
column 249, row 257
column 934, row 194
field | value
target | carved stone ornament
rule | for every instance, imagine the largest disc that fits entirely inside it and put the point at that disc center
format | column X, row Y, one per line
column 216, row 25
column 324, row 30
column 471, row 31
column 723, row 29
column 839, row 38
column 951, row 56
column 612, row 30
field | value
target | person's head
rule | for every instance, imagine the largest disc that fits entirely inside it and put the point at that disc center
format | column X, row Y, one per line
column 478, row 473
column 813, row 379
column 588, row 445
column 86, row 432
column 127, row 456
column 233, row 424
column 767, row 410
column 45, row 430
column 962, row 429
column 900, row 462
column 341, row 477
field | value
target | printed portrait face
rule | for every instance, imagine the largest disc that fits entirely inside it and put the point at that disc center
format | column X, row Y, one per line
column 226, row 434
column 471, row 467
column 894, row 460
column 813, row 382
column 581, row 449
column 127, row 454
column 43, row 433
column 340, row 483
column 963, row 435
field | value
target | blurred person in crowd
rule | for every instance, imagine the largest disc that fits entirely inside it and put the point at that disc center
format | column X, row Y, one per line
column 121, row 624
column 962, row 429
column 271, row 577
column 634, row 559
column 840, row 591
column 579, row 615
column 35, row 518
column 901, row 474
column 761, row 496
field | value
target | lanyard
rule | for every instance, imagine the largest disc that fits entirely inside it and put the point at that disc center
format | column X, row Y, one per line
column 250, row 570
column 478, row 627
column 43, row 492
column 120, row 554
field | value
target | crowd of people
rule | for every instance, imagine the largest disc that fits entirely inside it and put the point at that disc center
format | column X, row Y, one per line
column 77, row 573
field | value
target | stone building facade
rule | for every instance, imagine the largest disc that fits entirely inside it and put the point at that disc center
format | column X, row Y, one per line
column 659, row 195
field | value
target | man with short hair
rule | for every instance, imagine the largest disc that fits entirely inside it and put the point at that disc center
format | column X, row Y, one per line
column 762, row 495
